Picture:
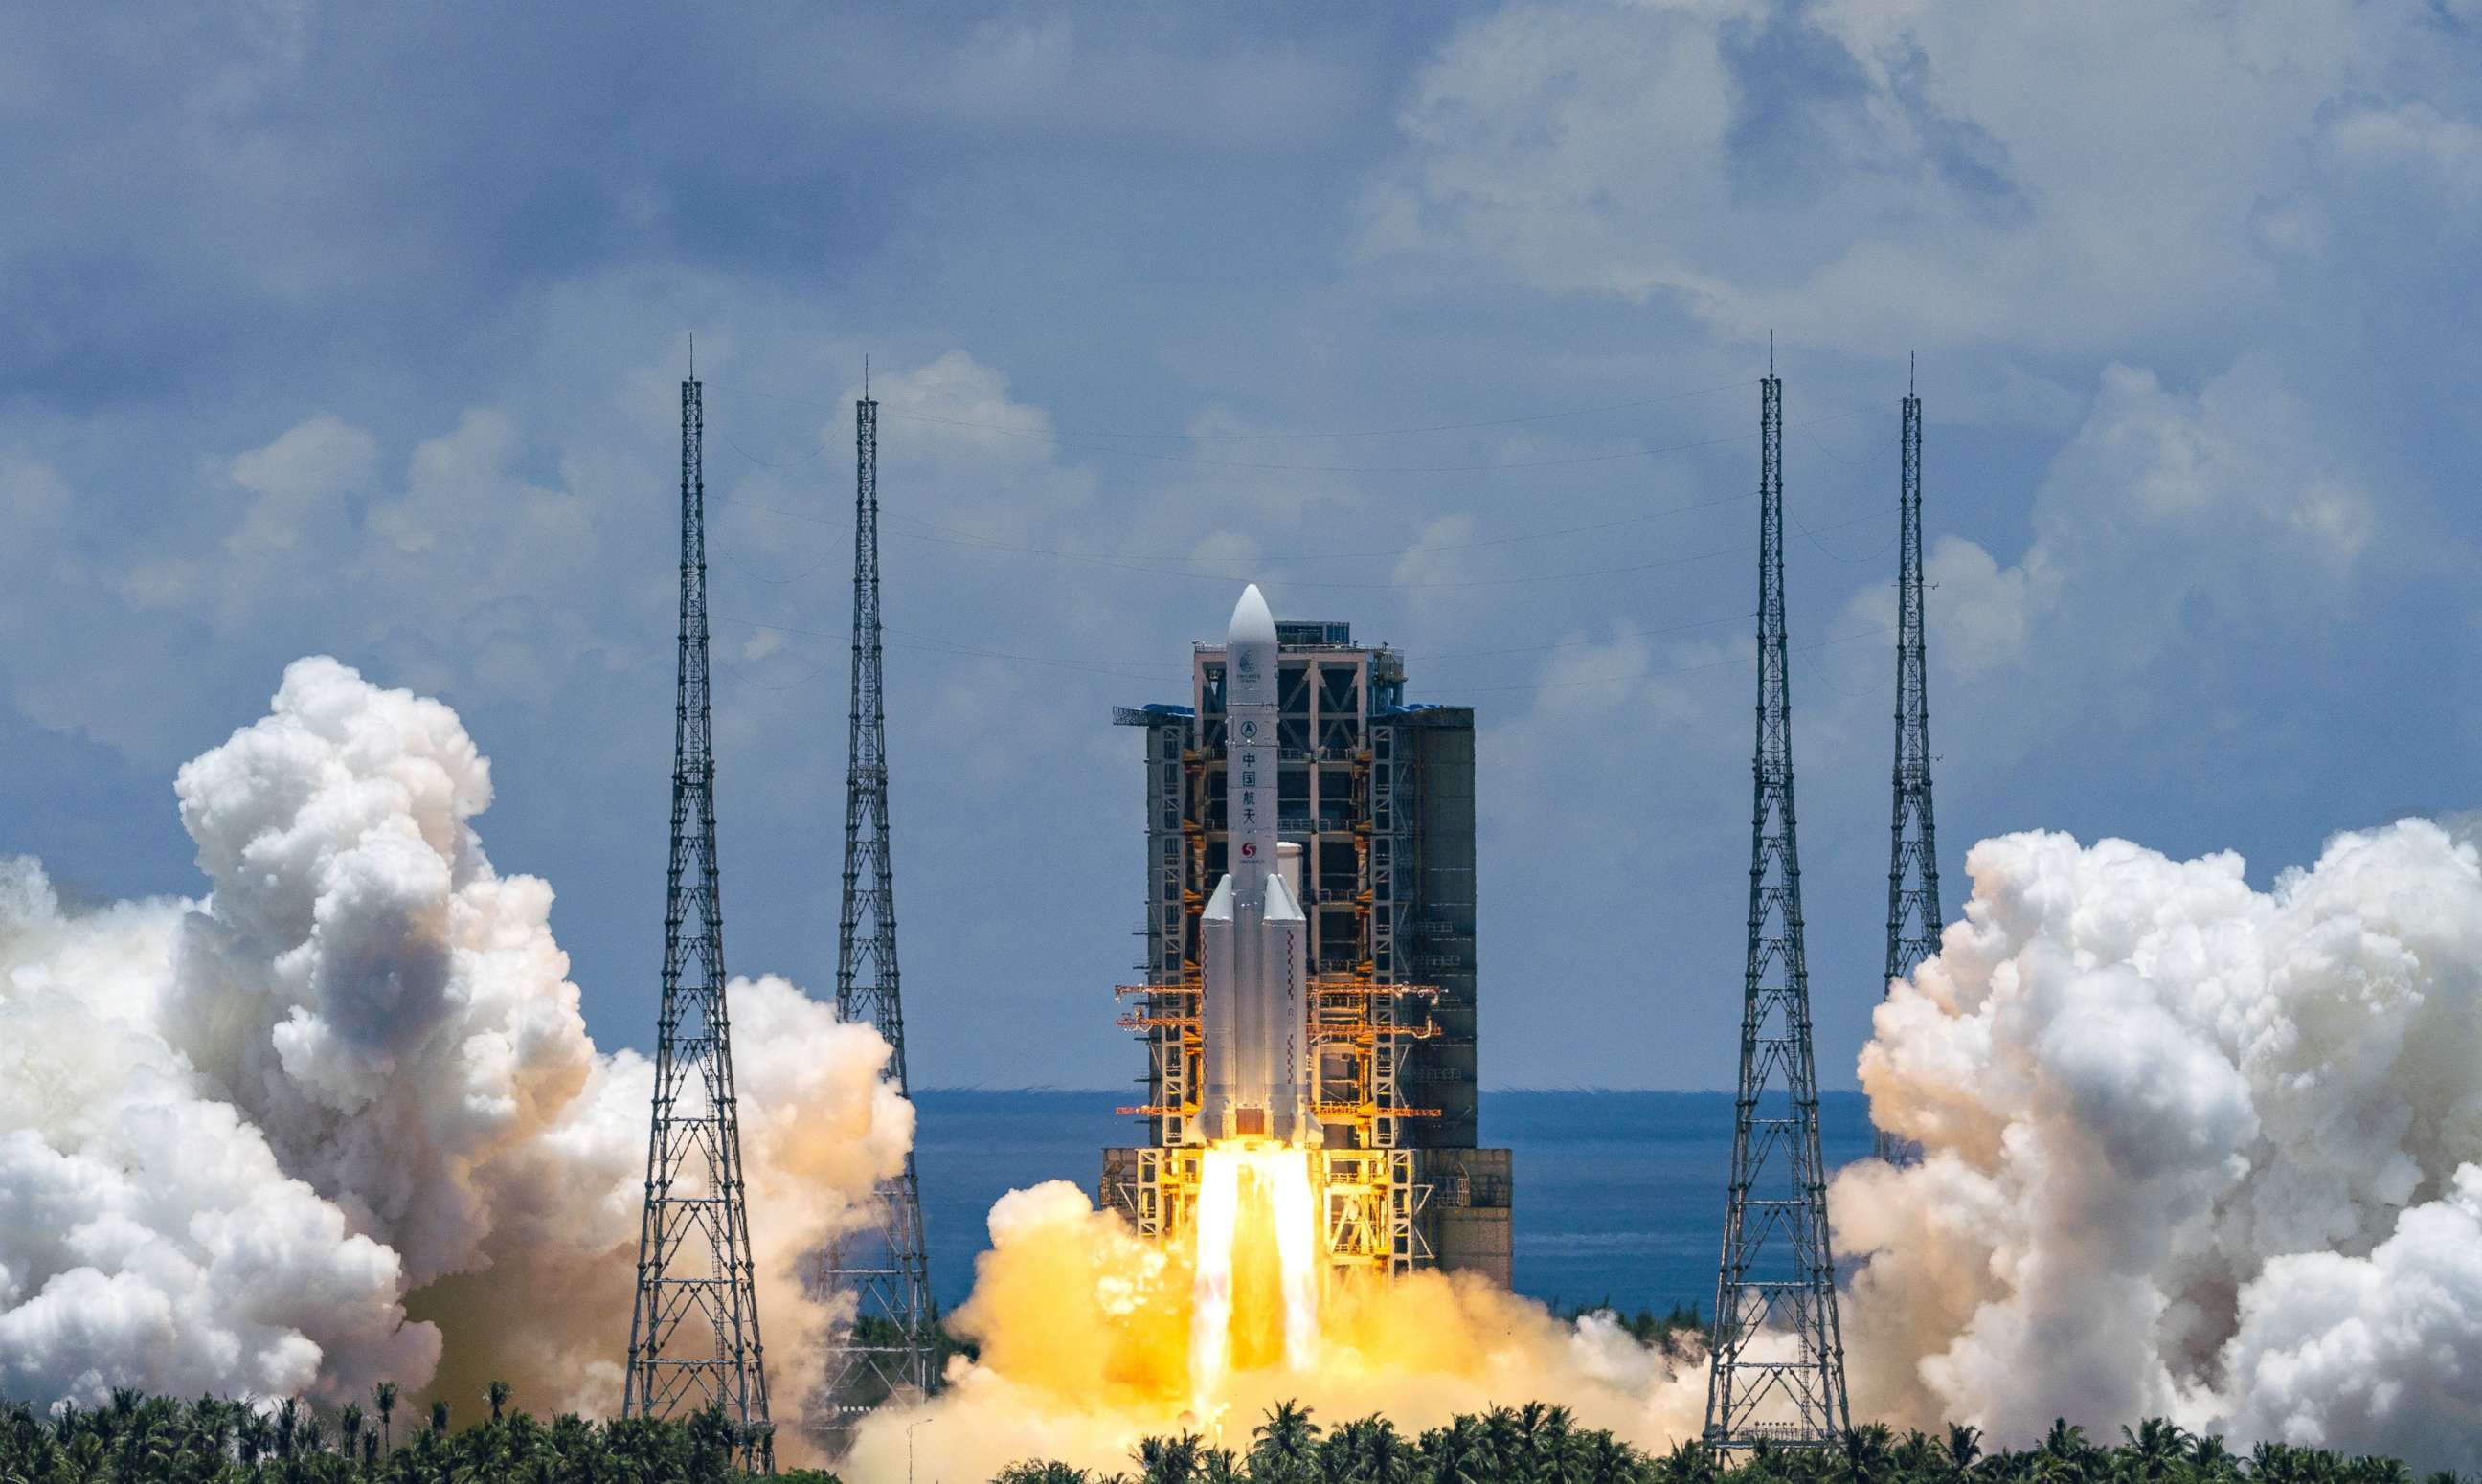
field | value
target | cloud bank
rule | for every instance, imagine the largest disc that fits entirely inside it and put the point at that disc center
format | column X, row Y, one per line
column 340, row 1120
column 2193, row 1149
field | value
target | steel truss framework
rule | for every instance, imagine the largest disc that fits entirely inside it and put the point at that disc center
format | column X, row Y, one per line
column 1912, row 851
column 1777, row 1273
column 888, row 1346
column 1362, row 1020
column 693, row 1322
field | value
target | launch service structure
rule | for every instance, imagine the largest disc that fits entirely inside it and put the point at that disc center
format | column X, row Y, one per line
column 693, row 1322
column 1775, row 1344
column 1310, row 968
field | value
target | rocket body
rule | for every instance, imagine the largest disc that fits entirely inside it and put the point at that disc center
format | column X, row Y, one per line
column 1255, row 938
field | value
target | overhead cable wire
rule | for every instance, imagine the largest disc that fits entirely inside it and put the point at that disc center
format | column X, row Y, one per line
column 1296, row 434
column 1278, row 434
column 1075, row 440
column 1260, row 466
column 1278, row 559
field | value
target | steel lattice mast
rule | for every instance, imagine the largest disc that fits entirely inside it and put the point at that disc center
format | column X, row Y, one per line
column 1912, row 852
column 1777, row 1273
column 694, row 1325
column 889, row 1346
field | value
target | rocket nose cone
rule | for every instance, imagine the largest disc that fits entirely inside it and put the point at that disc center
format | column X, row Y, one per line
column 1252, row 623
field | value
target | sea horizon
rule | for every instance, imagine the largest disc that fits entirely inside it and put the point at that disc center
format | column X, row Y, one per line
column 1619, row 1192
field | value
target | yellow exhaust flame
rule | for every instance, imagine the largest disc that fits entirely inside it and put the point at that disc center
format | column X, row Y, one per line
column 1256, row 1274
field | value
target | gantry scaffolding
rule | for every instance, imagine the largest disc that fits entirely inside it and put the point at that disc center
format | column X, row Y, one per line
column 1378, row 796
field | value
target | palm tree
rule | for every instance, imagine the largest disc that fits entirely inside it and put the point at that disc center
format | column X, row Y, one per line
column 1865, row 1455
column 2156, row 1450
column 1168, row 1460
column 1963, row 1446
column 383, row 1397
column 1455, row 1454
column 1505, row 1439
column 1284, row 1445
column 253, row 1437
column 2065, row 1441
column 439, row 1418
column 497, row 1394
column 1688, row 1462
column 2210, row 1461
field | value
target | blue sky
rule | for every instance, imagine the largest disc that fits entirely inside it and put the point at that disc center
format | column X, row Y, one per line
column 359, row 332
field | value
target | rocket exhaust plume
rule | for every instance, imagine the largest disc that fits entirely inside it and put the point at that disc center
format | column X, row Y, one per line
column 1257, row 1261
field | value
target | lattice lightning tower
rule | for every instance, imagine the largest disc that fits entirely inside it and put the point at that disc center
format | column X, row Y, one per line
column 1777, row 1273
column 1913, row 853
column 693, row 1324
column 889, row 1346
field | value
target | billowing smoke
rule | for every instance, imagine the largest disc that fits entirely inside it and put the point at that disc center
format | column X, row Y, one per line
column 2190, row 1149
column 2193, row 1149
column 1085, row 1334
column 340, row 1121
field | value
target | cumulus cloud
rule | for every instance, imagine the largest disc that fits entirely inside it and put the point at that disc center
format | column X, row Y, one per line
column 2434, row 148
column 339, row 1120
column 1931, row 173
column 2192, row 1148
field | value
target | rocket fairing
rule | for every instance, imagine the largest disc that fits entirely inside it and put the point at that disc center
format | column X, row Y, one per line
column 1255, row 939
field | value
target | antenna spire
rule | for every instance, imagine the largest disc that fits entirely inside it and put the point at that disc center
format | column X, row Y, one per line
column 1777, row 1283
column 884, row 1350
column 694, row 1323
column 1914, row 915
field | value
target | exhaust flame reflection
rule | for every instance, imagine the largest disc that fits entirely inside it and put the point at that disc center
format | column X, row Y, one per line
column 1256, row 1278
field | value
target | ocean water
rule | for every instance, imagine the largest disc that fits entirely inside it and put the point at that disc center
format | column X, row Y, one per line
column 1619, row 1196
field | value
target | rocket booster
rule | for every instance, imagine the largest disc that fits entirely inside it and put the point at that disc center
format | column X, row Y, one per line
column 1255, row 939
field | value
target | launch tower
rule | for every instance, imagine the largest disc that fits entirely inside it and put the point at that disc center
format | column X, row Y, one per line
column 889, row 1345
column 1913, row 853
column 1777, row 1273
column 693, row 1322
column 1377, row 794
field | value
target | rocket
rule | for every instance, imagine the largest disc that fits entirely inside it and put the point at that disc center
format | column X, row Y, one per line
column 1255, row 939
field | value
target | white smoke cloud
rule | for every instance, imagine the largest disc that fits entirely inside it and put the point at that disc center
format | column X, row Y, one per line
column 341, row 1121
column 1084, row 1330
column 2193, row 1149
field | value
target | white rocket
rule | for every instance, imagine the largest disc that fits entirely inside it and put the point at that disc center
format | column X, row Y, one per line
column 1255, row 939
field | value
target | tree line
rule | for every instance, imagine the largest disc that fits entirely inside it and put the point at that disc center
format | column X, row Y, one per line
column 153, row 1439
column 1538, row 1443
